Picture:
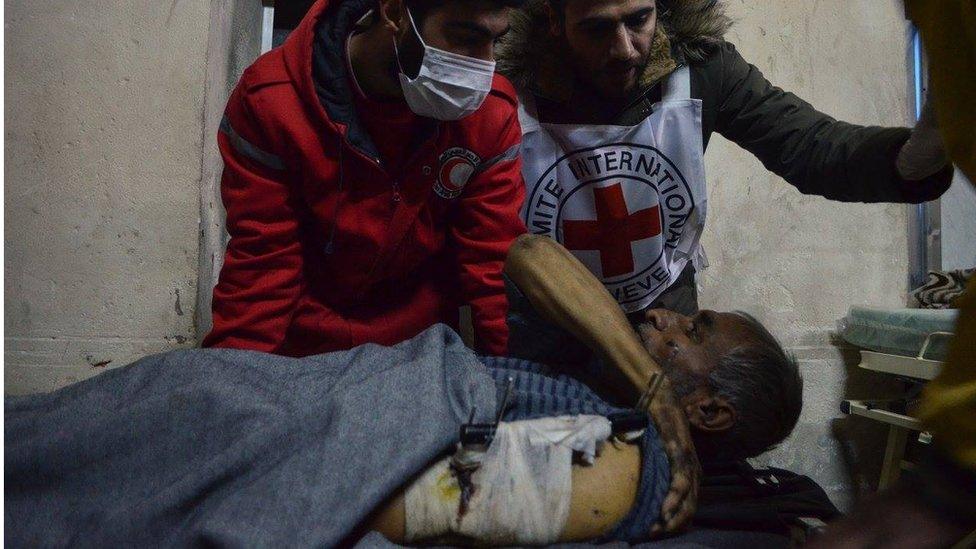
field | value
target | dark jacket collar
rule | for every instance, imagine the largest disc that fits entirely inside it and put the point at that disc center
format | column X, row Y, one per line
column 330, row 73
column 315, row 59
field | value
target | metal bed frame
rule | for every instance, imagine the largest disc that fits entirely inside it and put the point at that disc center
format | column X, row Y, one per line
column 916, row 369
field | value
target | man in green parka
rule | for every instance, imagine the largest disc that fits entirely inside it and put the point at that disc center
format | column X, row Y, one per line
column 630, row 202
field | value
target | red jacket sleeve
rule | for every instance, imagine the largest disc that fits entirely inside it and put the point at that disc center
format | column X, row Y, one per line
column 486, row 222
column 261, row 278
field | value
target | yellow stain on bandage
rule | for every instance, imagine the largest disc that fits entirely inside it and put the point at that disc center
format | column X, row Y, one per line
column 448, row 488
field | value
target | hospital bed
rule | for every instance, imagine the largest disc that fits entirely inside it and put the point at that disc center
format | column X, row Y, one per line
column 909, row 344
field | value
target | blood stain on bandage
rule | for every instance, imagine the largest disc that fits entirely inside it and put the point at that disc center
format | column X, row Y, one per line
column 467, row 488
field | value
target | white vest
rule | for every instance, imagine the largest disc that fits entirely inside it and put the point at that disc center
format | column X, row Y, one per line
column 628, row 201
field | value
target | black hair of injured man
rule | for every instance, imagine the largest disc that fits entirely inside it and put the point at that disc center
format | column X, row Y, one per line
column 741, row 393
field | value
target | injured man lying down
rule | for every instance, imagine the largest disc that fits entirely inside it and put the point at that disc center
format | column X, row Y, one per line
column 423, row 442
column 564, row 465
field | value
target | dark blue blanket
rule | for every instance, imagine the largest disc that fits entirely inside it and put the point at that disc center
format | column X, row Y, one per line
column 234, row 448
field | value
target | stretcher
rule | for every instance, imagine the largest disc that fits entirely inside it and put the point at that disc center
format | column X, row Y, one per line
column 911, row 345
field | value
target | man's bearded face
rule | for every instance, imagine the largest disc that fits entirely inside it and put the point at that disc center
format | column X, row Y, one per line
column 689, row 348
column 609, row 42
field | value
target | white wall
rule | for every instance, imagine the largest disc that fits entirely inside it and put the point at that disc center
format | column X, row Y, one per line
column 112, row 168
column 798, row 262
column 104, row 113
column 235, row 42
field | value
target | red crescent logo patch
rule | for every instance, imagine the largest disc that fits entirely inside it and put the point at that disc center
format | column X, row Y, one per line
column 457, row 165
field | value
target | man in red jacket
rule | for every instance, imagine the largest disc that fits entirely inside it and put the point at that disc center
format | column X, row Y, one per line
column 371, row 179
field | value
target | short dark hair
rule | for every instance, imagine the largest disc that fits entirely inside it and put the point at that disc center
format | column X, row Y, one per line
column 763, row 384
column 420, row 8
column 559, row 6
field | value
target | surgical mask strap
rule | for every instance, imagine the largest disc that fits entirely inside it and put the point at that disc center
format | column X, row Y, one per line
column 413, row 24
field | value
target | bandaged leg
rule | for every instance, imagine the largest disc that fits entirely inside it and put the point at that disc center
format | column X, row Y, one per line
column 520, row 491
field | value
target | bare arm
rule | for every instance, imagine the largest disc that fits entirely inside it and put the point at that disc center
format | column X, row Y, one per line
column 564, row 291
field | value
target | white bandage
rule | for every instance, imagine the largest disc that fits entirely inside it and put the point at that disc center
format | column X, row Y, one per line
column 522, row 487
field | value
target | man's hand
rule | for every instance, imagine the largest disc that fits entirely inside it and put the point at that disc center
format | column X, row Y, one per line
column 672, row 426
column 565, row 292
column 923, row 154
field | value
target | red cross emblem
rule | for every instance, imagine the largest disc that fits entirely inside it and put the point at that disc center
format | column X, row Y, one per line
column 613, row 230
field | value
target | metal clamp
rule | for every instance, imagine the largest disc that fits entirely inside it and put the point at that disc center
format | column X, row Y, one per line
column 479, row 435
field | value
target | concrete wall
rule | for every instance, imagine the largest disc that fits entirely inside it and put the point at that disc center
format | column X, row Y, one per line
column 235, row 42
column 104, row 115
column 112, row 209
column 799, row 262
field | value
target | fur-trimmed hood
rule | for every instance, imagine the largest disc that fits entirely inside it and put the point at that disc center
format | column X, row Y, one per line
column 530, row 56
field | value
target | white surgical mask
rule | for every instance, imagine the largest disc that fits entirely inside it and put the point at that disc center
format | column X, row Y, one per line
column 449, row 86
